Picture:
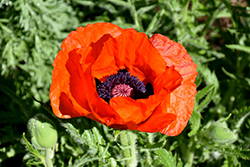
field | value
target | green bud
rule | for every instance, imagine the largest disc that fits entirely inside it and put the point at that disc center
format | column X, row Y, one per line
column 43, row 133
column 221, row 134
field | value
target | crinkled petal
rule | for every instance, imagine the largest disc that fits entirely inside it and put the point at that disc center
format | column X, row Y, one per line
column 82, row 37
column 128, row 109
column 84, row 92
column 167, row 82
column 133, row 51
column 160, row 118
column 156, row 122
column 181, row 100
column 61, row 93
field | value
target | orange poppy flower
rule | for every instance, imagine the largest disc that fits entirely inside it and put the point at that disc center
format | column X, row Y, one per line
column 122, row 79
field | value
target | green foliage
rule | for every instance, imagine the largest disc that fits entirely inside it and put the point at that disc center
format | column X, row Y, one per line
column 215, row 33
column 34, row 153
column 31, row 33
column 167, row 159
column 239, row 47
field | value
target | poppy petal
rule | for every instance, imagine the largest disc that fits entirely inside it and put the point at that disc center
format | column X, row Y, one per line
column 156, row 122
column 76, row 82
column 128, row 109
column 130, row 50
column 167, row 81
column 60, row 94
column 84, row 92
column 83, row 36
column 101, row 110
column 164, row 84
column 66, row 109
column 181, row 100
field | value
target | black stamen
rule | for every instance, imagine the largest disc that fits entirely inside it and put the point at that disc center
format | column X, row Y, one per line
column 140, row 91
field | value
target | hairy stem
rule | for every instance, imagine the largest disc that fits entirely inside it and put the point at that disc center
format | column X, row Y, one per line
column 188, row 151
column 132, row 137
column 49, row 154
column 129, row 150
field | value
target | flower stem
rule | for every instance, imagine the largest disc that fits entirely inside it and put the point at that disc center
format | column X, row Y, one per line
column 188, row 151
column 132, row 137
column 128, row 143
column 124, row 143
column 49, row 154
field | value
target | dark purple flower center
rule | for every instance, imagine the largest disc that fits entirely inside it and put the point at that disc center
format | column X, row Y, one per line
column 123, row 84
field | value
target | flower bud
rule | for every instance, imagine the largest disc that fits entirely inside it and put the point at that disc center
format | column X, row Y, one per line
column 43, row 133
column 221, row 134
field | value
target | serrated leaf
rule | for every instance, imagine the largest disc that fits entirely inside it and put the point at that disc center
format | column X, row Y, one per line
column 85, row 140
column 214, row 13
column 120, row 3
column 8, row 53
column 198, row 80
column 102, row 151
column 98, row 136
column 240, row 118
column 145, row 9
column 244, row 154
column 239, row 47
column 184, row 13
column 166, row 157
column 208, row 76
column 74, row 133
column 202, row 93
column 219, row 55
column 197, row 44
column 231, row 161
column 224, row 13
column 108, row 7
column 155, row 21
column 29, row 146
column 5, row 29
column 32, row 150
column 4, row 20
column 155, row 145
column 195, row 121
column 207, row 100
column 83, row 160
column 91, row 140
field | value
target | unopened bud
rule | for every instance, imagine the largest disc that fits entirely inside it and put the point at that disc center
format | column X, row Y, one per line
column 221, row 134
column 43, row 133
